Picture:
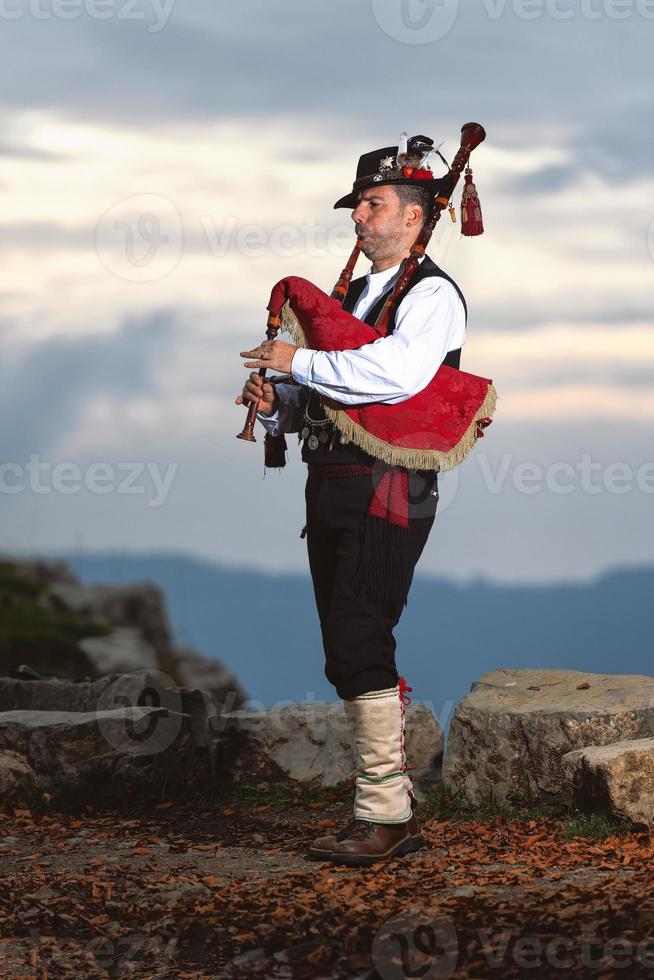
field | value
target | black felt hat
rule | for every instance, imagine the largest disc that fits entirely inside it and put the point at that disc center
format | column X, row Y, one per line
column 383, row 167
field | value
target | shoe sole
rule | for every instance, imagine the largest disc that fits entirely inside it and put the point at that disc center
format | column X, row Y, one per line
column 315, row 855
column 415, row 843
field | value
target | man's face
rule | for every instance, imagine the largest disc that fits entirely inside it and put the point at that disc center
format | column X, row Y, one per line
column 380, row 221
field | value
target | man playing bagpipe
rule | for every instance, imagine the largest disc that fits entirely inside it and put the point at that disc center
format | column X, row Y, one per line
column 379, row 410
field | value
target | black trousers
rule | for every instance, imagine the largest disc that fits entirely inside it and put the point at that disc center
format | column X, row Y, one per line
column 357, row 631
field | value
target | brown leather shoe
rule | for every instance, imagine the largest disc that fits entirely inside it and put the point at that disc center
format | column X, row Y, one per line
column 322, row 847
column 362, row 843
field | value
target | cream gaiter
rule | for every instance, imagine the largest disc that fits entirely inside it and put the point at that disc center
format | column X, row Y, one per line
column 383, row 785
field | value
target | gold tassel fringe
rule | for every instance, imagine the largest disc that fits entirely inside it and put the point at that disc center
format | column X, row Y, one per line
column 291, row 325
column 412, row 459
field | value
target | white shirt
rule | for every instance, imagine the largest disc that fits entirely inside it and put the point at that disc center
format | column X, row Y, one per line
column 429, row 322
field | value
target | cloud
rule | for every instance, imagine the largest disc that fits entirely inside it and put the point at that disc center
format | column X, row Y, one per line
column 548, row 179
column 547, row 255
column 319, row 63
column 18, row 152
column 45, row 389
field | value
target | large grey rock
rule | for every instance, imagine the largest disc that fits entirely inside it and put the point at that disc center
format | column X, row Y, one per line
column 147, row 688
column 509, row 733
column 129, row 753
column 311, row 745
column 144, row 638
column 122, row 650
column 39, row 570
column 618, row 778
column 15, row 773
column 133, row 624
column 195, row 670
column 140, row 605
column 50, row 695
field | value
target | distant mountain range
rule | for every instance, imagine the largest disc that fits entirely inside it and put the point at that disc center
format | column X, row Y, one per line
column 265, row 627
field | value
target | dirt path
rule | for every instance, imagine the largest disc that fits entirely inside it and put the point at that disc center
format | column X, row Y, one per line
column 190, row 893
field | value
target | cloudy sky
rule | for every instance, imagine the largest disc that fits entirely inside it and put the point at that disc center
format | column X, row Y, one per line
column 162, row 165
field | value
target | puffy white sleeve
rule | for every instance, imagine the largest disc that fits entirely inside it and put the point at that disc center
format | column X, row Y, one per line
column 430, row 321
column 287, row 418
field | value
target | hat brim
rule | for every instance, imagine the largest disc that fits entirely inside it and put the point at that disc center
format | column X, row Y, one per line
column 439, row 186
column 349, row 201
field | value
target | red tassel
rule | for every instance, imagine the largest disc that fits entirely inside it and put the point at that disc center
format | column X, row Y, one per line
column 390, row 500
column 403, row 688
column 481, row 425
column 471, row 219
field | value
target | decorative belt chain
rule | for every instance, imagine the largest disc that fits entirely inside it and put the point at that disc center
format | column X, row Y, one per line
column 315, row 432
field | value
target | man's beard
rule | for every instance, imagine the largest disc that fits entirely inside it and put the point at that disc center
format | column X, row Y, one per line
column 381, row 244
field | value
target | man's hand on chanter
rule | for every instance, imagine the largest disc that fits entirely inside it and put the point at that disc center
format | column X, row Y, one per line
column 275, row 354
column 258, row 389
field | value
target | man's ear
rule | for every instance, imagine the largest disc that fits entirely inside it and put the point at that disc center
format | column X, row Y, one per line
column 413, row 214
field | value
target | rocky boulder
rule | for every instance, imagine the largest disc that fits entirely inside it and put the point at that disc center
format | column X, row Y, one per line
column 196, row 671
column 62, row 628
column 509, row 733
column 147, row 688
column 311, row 745
column 617, row 778
column 121, row 650
column 127, row 754
column 139, row 605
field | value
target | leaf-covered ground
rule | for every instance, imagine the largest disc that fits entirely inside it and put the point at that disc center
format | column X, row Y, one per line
column 196, row 891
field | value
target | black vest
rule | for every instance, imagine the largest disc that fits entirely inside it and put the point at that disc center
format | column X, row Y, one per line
column 348, row 452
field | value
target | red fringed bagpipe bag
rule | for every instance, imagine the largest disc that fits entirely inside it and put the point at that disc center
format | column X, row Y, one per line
column 433, row 430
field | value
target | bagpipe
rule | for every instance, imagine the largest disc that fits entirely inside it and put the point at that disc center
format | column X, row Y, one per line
column 432, row 430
